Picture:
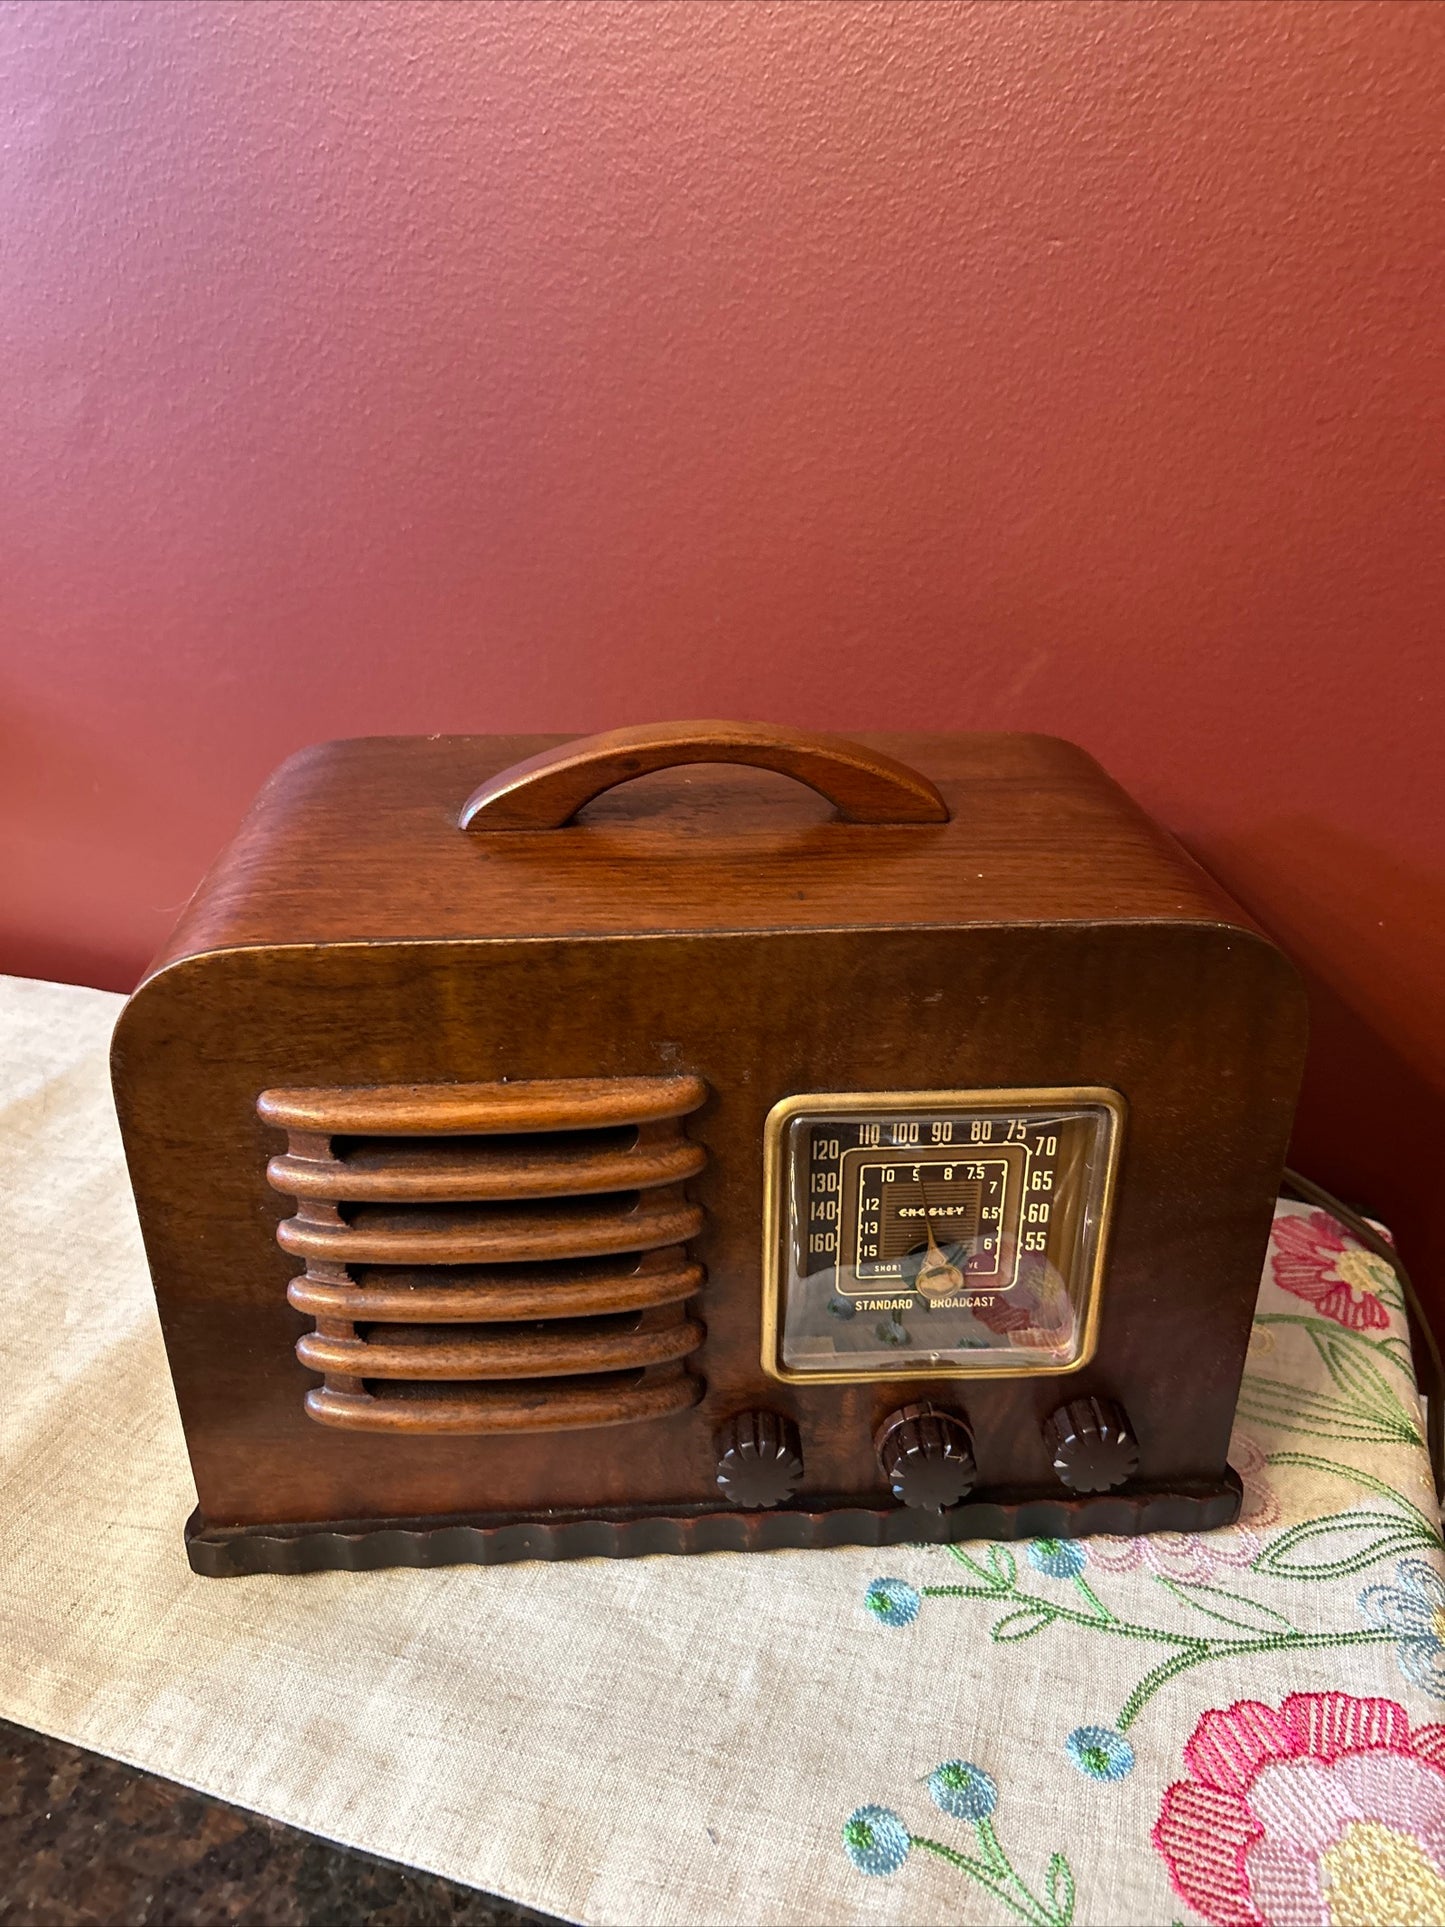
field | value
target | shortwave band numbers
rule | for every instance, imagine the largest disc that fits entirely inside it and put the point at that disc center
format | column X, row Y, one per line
column 1013, row 1159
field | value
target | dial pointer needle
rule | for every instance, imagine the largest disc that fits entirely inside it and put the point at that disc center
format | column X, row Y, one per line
column 937, row 1276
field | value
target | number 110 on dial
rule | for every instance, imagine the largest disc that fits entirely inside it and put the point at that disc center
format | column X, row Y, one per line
column 938, row 1232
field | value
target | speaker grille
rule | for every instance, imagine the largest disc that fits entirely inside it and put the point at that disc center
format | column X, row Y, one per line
column 490, row 1258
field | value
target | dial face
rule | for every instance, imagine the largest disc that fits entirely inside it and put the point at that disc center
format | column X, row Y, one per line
column 936, row 1234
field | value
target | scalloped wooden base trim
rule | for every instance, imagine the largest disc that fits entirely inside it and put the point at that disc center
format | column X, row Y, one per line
column 365, row 1545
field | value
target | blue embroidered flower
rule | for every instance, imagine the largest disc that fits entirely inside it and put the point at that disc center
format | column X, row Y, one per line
column 965, row 1791
column 1414, row 1611
column 876, row 1840
column 1058, row 1558
column 1099, row 1752
column 892, row 1602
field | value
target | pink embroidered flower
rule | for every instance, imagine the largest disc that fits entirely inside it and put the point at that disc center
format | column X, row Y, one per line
column 1261, row 1506
column 1329, row 1812
column 1193, row 1558
column 1315, row 1259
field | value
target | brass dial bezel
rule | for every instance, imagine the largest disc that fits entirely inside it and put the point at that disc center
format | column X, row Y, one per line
column 775, row 1216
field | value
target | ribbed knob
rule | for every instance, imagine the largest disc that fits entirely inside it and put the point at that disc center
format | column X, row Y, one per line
column 927, row 1456
column 759, row 1459
column 1091, row 1446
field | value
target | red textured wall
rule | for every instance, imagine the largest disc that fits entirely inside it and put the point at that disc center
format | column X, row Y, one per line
column 504, row 367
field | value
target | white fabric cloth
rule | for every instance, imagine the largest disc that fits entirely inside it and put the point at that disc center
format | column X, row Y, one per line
column 682, row 1740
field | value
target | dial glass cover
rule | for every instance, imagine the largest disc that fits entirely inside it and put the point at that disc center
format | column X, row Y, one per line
column 932, row 1234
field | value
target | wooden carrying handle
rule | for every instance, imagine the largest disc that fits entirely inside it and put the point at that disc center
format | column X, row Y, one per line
column 546, row 792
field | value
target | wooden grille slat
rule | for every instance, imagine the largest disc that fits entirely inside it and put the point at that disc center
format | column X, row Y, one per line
column 452, row 1235
column 527, row 1407
column 458, row 1110
column 478, row 1296
column 526, row 1355
column 417, row 1173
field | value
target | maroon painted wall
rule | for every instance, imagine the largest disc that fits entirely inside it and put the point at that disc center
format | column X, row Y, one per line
column 515, row 367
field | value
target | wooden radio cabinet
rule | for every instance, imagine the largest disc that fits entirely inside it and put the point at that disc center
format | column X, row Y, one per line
column 811, row 1142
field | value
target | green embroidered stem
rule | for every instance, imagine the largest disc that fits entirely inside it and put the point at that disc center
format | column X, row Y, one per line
column 1193, row 1651
column 1094, row 1600
column 1067, row 1613
column 987, row 1579
column 1029, row 1907
column 1326, row 1326
column 989, row 1841
column 1366, row 1479
column 1364, row 1405
column 1198, row 1597
column 1005, row 1885
column 1151, row 1682
column 975, row 1869
column 1235, row 1649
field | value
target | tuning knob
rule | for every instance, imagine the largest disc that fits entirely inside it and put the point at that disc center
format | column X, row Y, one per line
column 759, row 1459
column 927, row 1456
column 1091, row 1446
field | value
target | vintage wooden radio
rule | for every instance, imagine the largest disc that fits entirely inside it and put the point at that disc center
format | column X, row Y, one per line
column 812, row 1142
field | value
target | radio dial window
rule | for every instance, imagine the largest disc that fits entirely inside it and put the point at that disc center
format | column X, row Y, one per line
column 937, row 1234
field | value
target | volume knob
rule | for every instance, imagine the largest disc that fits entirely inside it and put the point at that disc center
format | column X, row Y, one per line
column 759, row 1459
column 1091, row 1446
column 927, row 1456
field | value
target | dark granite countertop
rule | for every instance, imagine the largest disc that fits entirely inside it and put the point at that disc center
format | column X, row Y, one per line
column 87, row 1841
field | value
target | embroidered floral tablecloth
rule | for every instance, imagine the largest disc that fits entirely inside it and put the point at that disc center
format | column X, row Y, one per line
column 1245, row 1728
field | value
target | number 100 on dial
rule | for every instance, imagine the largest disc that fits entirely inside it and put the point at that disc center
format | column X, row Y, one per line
column 932, row 1234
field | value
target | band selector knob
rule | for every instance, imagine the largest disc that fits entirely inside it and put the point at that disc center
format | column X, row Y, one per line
column 759, row 1459
column 927, row 1456
column 1091, row 1445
